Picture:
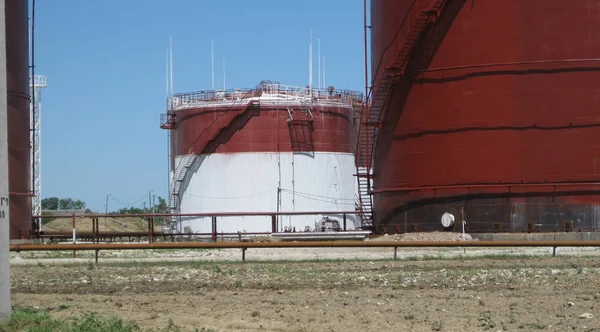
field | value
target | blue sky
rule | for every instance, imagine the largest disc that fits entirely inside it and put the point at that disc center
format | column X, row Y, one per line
column 105, row 63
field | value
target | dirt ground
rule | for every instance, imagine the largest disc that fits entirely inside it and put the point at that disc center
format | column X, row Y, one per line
column 455, row 293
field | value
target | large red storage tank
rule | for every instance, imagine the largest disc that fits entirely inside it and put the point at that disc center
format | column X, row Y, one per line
column 495, row 116
column 274, row 148
column 17, row 62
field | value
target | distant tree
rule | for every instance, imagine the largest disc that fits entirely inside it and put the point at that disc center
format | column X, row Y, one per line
column 50, row 203
column 161, row 207
column 79, row 205
column 55, row 203
column 70, row 204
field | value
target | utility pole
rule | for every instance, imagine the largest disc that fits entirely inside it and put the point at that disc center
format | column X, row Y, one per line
column 150, row 199
column 4, row 215
column 106, row 209
column 153, row 204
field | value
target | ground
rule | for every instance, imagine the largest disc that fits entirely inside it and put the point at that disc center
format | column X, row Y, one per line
column 338, row 289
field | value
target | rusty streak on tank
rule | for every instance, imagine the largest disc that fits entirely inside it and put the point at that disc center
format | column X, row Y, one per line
column 492, row 115
column 17, row 62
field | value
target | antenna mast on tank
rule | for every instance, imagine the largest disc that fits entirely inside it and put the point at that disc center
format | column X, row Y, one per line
column 324, row 84
column 212, row 64
column 319, row 60
column 310, row 69
column 171, row 62
column 167, row 74
column 223, row 73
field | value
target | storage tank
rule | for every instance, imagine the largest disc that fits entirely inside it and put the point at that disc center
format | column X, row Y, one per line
column 492, row 115
column 17, row 63
column 273, row 148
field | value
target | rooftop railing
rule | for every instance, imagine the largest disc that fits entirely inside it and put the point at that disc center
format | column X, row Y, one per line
column 270, row 92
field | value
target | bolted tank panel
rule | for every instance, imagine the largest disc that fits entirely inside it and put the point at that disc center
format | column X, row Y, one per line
column 495, row 118
column 17, row 62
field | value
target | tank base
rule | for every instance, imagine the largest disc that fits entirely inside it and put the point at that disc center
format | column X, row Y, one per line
column 482, row 214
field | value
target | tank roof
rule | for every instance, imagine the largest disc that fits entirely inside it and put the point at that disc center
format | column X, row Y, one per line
column 266, row 93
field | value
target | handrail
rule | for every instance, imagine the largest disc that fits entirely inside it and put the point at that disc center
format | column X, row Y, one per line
column 197, row 214
column 307, row 244
column 218, row 97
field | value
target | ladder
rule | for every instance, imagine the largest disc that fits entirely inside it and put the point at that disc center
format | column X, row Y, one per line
column 371, row 121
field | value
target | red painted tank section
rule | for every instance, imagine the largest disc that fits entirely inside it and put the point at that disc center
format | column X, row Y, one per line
column 264, row 130
column 519, row 107
column 17, row 62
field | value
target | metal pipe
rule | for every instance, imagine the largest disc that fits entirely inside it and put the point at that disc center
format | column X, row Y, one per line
column 14, row 193
column 366, row 118
column 214, row 214
column 125, row 234
column 490, row 185
column 308, row 244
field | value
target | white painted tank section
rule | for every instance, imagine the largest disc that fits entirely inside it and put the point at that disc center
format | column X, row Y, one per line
column 249, row 182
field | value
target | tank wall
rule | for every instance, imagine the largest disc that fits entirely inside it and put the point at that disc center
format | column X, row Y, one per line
column 512, row 123
column 17, row 61
column 266, row 131
column 249, row 182
column 386, row 19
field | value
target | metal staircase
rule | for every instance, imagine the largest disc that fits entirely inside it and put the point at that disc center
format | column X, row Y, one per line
column 372, row 114
column 178, row 180
column 181, row 172
column 424, row 18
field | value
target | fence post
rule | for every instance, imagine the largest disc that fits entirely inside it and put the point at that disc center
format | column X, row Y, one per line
column 74, row 237
column 150, row 229
column 214, row 229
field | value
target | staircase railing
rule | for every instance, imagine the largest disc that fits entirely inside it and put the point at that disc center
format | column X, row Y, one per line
column 420, row 14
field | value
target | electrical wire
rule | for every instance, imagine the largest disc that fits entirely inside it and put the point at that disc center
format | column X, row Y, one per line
column 231, row 197
column 143, row 199
column 319, row 196
column 323, row 199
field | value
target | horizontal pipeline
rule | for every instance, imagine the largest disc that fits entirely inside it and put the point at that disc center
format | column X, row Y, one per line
column 490, row 185
column 27, row 194
column 308, row 244
column 142, row 233
column 212, row 214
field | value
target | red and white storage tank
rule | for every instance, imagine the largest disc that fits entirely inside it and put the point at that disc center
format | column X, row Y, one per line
column 273, row 148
